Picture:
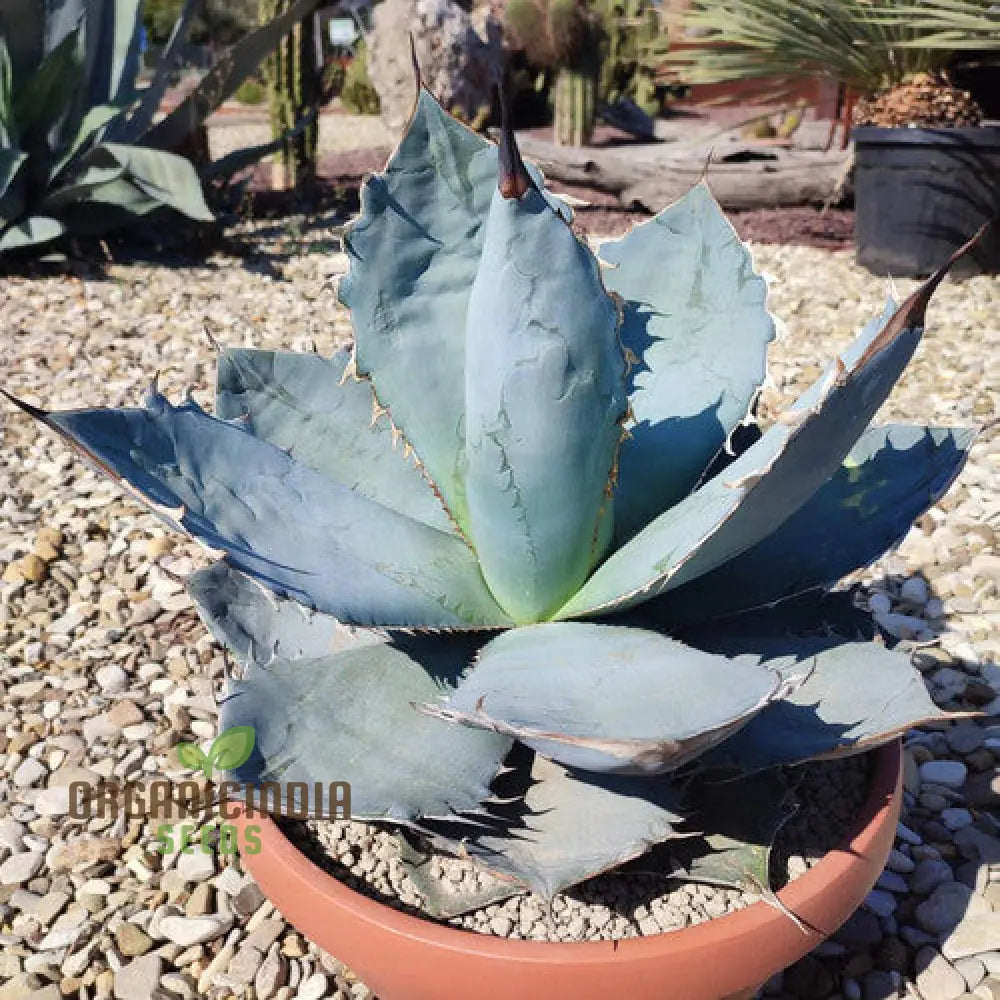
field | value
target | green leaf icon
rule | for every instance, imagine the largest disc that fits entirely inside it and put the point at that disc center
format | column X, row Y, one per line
column 190, row 755
column 231, row 748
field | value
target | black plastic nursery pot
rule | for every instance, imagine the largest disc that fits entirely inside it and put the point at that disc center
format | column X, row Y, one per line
column 920, row 193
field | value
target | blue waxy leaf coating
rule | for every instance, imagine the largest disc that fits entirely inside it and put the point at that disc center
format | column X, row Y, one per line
column 322, row 543
column 609, row 698
column 313, row 407
column 544, row 392
column 696, row 324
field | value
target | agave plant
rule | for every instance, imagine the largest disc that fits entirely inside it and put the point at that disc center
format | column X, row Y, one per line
column 80, row 150
column 461, row 565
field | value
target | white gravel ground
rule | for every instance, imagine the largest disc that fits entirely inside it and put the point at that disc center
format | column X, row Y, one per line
column 104, row 666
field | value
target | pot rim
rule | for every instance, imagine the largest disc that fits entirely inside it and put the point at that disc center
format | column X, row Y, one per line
column 959, row 137
column 298, row 873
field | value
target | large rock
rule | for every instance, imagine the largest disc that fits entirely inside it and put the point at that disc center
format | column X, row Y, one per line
column 456, row 61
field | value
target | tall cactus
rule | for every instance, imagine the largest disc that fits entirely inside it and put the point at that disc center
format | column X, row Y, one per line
column 636, row 46
column 575, row 102
column 567, row 37
column 294, row 86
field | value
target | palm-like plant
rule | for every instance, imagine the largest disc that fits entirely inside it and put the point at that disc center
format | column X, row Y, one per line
column 866, row 44
column 499, row 521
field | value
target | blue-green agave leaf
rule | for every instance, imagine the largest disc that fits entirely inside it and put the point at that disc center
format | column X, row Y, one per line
column 11, row 162
column 545, row 398
column 41, row 102
column 106, row 173
column 280, row 521
column 351, row 717
column 414, row 255
column 556, row 828
column 889, row 478
column 255, row 624
column 771, row 480
column 443, row 899
column 117, row 30
column 853, row 696
column 91, row 125
column 33, row 231
column 106, row 207
column 315, row 408
column 165, row 177
column 609, row 698
column 117, row 182
column 696, row 324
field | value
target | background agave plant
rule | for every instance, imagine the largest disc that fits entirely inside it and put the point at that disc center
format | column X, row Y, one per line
column 463, row 566
column 80, row 150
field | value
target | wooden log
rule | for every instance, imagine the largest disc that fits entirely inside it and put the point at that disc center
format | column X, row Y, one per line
column 742, row 176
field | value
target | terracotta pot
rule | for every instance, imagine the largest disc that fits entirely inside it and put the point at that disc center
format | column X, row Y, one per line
column 402, row 957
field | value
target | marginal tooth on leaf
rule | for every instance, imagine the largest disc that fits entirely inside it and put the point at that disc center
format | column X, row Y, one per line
column 789, row 685
column 746, row 482
column 351, row 369
column 513, row 179
column 211, row 550
column 378, row 410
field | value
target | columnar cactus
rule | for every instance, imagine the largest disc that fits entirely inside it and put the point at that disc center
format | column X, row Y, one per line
column 567, row 37
column 294, row 88
column 574, row 106
column 482, row 607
